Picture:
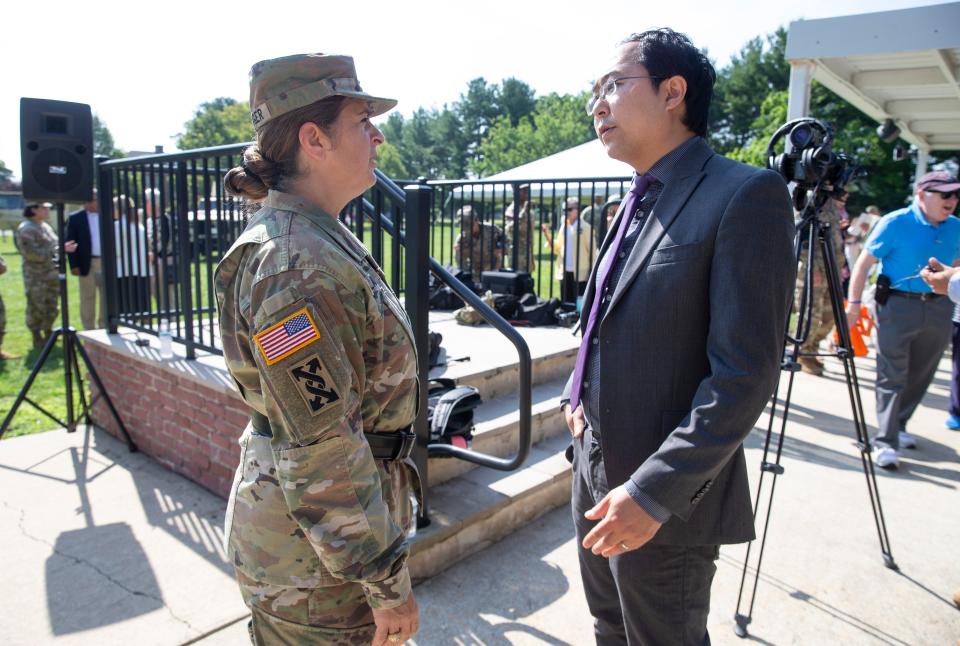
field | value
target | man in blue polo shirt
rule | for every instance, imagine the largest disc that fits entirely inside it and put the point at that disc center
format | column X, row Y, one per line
column 913, row 326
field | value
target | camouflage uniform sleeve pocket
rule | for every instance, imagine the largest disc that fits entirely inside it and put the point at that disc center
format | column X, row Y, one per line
column 304, row 368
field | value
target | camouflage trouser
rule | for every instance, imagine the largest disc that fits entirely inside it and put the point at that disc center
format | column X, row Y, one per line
column 337, row 615
column 3, row 321
column 42, row 304
column 821, row 314
column 331, row 612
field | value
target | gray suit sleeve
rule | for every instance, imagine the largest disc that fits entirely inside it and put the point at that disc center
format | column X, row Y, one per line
column 751, row 281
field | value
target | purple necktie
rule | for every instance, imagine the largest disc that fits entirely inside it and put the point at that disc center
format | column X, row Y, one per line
column 639, row 187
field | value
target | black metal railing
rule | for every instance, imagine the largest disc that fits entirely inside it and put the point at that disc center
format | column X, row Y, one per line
column 496, row 206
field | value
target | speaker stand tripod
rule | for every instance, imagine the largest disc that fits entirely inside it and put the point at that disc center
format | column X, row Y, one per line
column 72, row 349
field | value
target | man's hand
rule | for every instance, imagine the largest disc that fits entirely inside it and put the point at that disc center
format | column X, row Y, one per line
column 937, row 275
column 623, row 526
column 574, row 420
column 853, row 314
column 70, row 246
column 396, row 625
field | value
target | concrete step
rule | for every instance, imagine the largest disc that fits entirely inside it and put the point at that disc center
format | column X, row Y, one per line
column 482, row 357
column 497, row 429
column 482, row 506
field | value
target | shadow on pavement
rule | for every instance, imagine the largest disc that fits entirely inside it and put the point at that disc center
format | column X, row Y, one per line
column 521, row 583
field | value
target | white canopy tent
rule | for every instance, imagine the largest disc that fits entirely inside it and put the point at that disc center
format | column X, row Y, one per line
column 586, row 161
column 902, row 65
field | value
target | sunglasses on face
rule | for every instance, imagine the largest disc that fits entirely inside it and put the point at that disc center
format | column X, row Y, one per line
column 945, row 195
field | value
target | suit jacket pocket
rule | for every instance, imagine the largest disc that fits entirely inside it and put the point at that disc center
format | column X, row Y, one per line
column 677, row 253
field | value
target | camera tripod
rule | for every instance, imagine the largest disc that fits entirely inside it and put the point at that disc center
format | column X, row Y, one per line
column 72, row 348
column 814, row 236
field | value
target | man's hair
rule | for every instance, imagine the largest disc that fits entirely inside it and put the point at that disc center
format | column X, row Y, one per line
column 667, row 53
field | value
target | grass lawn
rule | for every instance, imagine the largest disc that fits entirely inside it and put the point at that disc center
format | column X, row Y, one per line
column 48, row 388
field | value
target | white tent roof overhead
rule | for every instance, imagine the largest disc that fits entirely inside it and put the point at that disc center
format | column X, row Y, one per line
column 902, row 65
column 586, row 161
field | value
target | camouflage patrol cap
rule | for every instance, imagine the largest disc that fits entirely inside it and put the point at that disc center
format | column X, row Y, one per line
column 281, row 85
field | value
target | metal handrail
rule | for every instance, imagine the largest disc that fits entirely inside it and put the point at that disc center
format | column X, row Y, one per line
column 489, row 315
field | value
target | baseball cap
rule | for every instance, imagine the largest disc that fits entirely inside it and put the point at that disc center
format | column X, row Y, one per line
column 281, row 85
column 940, row 181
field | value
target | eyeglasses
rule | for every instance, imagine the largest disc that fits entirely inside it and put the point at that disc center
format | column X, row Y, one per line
column 572, row 208
column 945, row 195
column 610, row 87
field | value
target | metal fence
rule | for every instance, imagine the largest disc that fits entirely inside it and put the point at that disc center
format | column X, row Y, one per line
column 523, row 233
column 173, row 221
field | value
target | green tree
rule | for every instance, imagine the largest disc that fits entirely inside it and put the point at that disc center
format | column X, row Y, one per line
column 557, row 123
column 216, row 123
column 477, row 109
column 516, row 100
column 757, row 70
column 103, row 144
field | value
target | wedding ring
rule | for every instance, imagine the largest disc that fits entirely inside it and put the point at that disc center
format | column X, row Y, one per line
column 394, row 638
column 624, row 546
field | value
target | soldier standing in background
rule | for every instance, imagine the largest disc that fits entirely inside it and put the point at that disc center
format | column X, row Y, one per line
column 479, row 246
column 821, row 314
column 37, row 244
column 520, row 228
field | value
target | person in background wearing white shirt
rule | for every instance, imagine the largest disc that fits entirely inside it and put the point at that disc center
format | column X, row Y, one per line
column 83, row 228
column 857, row 232
column 573, row 247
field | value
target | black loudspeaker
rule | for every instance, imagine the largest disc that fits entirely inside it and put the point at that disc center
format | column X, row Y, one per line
column 56, row 150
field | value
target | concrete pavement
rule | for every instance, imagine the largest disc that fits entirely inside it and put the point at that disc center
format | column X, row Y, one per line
column 106, row 547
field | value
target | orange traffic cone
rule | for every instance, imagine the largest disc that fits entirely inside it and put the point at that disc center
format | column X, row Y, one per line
column 858, row 333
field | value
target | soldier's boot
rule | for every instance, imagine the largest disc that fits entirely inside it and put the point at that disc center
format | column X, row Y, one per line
column 37, row 338
column 811, row 365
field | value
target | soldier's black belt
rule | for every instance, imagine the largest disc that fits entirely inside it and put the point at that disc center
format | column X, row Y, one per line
column 919, row 296
column 397, row 445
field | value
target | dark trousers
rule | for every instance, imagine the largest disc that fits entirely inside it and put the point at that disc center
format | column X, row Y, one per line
column 955, row 382
column 570, row 288
column 911, row 338
column 656, row 595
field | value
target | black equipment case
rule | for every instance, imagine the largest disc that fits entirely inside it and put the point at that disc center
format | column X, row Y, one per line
column 516, row 283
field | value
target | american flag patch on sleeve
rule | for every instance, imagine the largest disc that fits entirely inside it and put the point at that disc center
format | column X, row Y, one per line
column 286, row 337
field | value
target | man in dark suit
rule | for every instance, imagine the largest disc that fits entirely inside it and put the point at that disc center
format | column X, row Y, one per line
column 683, row 323
column 83, row 227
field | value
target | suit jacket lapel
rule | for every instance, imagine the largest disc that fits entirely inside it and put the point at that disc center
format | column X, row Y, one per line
column 688, row 174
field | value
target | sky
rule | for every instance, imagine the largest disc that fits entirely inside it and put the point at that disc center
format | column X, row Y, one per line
column 144, row 68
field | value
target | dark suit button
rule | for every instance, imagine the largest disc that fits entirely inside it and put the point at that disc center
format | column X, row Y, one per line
column 595, row 341
column 586, row 384
column 622, row 254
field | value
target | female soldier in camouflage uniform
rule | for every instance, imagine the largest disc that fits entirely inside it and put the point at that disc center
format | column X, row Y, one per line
column 37, row 244
column 321, row 349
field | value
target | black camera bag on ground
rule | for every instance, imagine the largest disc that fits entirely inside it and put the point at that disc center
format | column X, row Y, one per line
column 515, row 283
column 450, row 411
column 542, row 313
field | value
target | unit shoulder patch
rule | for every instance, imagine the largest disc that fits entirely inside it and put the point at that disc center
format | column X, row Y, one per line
column 314, row 384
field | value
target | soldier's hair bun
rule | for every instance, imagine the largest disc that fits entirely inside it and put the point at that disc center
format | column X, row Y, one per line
column 253, row 177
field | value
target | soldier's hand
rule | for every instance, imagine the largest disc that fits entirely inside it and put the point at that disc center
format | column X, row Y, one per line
column 396, row 625
column 574, row 420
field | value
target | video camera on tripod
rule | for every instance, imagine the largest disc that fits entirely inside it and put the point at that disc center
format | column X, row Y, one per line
column 808, row 161
column 817, row 173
